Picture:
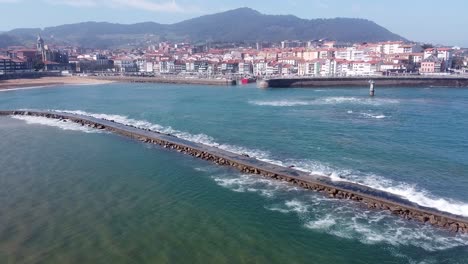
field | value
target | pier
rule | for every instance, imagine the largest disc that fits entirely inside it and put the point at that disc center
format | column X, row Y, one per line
column 392, row 81
column 168, row 79
column 368, row 197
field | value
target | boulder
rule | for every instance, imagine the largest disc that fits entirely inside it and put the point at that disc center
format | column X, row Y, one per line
column 454, row 227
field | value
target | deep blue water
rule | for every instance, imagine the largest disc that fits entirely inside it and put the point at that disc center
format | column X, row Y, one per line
column 101, row 198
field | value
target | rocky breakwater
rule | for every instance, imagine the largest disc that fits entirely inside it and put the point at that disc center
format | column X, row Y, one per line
column 367, row 197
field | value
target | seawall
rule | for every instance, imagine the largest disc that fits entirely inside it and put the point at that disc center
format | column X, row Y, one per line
column 168, row 79
column 368, row 197
column 409, row 81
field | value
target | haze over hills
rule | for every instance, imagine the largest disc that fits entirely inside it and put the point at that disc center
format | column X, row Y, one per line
column 238, row 25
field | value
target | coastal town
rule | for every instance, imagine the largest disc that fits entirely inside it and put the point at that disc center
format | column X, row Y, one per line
column 289, row 58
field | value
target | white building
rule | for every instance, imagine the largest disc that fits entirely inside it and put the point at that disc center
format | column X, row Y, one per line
column 391, row 47
column 308, row 68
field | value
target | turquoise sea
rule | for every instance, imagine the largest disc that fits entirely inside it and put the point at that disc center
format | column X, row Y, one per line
column 70, row 194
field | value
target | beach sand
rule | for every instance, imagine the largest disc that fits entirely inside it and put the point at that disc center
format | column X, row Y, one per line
column 15, row 84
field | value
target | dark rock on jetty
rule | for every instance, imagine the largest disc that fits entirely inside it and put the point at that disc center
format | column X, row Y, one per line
column 372, row 198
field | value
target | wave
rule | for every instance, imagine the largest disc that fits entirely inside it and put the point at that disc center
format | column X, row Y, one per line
column 376, row 116
column 281, row 103
column 327, row 101
column 409, row 192
column 341, row 218
column 197, row 138
column 23, row 88
column 62, row 124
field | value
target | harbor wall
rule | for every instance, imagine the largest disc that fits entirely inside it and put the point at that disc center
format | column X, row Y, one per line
column 364, row 81
column 168, row 79
column 368, row 197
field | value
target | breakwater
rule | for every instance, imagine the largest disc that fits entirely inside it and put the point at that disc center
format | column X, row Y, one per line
column 407, row 81
column 168, row 79
column 370, row 198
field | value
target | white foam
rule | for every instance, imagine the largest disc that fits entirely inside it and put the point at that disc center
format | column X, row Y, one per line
column 342, row 218
column 358, row 100
column 324, row 223
column 62, row 124
column 327, row 101
column 281, row 103
column 297, row 206
column 376, row 116
column 198, row 138
column 411, row 193
column 22, row 88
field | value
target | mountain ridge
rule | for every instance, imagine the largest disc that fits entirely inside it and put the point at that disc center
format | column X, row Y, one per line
column 237, row 25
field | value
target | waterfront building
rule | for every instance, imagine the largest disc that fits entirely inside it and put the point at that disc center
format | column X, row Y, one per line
column 308, row 68
column 125, row 64
column 245, row 68
column 431, row 65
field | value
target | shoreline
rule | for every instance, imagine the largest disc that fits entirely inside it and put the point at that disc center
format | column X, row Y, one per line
column 44, row 82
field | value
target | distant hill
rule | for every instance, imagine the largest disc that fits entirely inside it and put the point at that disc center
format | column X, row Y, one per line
column 243, row 24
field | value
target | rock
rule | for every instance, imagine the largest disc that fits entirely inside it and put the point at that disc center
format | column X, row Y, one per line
column 432, row 220
column 454, row 227
column 442, row 222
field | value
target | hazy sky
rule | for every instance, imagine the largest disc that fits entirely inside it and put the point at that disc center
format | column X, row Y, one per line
column 443, row 22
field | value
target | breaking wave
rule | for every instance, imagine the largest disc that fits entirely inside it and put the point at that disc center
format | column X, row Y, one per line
column 341, row 218
column 407, row 191
column 62, row 124
column 376, row 116
column 327, row 101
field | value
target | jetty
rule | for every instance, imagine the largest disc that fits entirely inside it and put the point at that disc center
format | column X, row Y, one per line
column 168, row 79
column 391, row 81
column 367, row 197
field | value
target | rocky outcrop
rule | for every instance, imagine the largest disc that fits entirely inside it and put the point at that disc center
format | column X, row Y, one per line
column 372, row 199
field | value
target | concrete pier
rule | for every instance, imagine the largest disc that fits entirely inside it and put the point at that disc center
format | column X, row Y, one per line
column 369, row 197
column 405, row 81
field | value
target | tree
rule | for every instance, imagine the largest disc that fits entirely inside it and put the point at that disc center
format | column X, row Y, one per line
column 427, row 46
column 38, row 65
column 457, row 63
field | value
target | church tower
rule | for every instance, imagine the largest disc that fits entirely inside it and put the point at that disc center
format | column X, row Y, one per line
column 40, row 47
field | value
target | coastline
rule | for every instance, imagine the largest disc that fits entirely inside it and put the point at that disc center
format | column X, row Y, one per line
column 35, row 83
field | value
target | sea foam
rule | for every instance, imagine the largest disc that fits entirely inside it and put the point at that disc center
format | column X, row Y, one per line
column 326, row 101
column 62, row 124
column 341, row 218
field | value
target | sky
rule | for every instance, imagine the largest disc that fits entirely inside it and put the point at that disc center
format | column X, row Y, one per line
column 436, row 22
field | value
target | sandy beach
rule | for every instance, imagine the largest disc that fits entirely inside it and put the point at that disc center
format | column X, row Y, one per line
column 15, row 84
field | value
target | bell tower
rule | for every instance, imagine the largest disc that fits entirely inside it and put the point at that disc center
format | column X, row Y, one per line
column 40, row 47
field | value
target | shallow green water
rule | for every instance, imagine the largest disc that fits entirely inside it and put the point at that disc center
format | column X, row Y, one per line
column 74, row 196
